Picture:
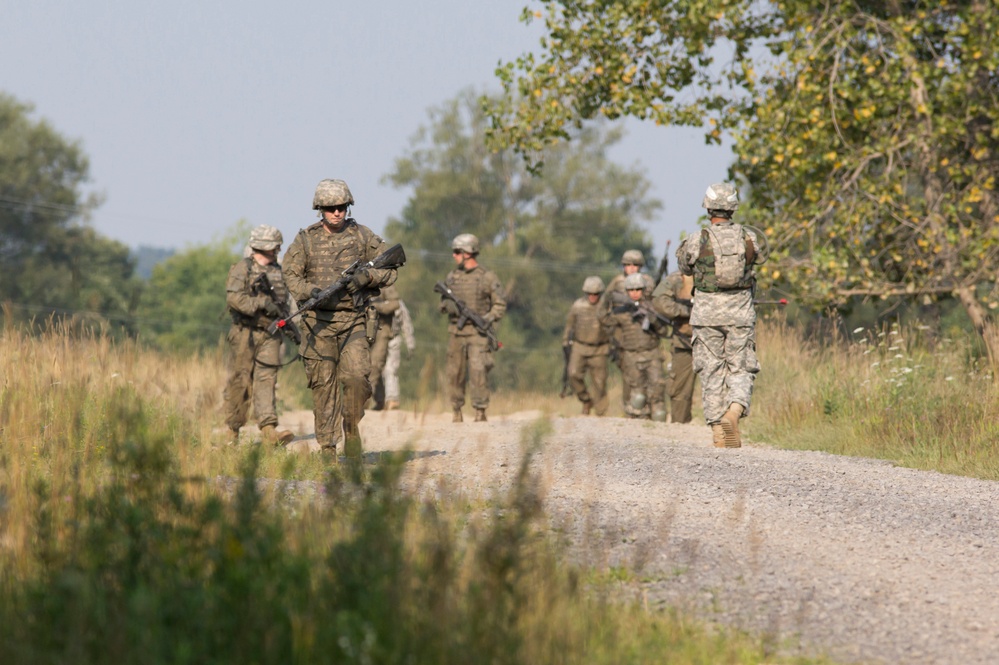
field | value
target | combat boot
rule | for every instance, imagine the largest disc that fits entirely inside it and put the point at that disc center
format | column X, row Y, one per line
column 730, row 423
column 329, row 455
column 233, row 438
column 456, row 415
column 480, row 415
column 586, row 408
column 717, row 436
column 271, row 436
column 391, row 405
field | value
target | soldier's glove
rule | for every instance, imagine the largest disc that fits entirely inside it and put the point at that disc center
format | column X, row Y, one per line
column 271, row 309
column 360, row 280
column 315, row 292
column 449, row 307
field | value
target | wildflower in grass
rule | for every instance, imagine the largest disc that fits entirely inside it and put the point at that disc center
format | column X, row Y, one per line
column 858, row 330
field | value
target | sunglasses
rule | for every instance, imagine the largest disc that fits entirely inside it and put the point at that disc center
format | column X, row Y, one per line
column 456, row 252
column 337, row 208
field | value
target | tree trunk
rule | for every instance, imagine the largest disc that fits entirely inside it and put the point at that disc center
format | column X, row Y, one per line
column 990, row 336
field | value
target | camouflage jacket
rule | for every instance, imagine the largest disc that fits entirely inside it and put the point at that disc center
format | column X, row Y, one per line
column 481, row 290
column 244, row 297
column 719, row 308
column 667, row 301
column 317, row 258
column 635, row 324
column 583, row 324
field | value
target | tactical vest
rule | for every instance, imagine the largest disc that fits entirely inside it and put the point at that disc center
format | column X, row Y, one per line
column 587, row 328
column 474, row 288
column 327, row 255
column 250, row 285
column 725, row 261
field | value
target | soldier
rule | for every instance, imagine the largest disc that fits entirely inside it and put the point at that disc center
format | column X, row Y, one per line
column 639, row 328
column 256, row 355
column 720, row 259
column 383, row 309
column 672, row 299
column 590, row 347
column 468, row 350
column 335, row 349
column 632, row 262
column 402, row 333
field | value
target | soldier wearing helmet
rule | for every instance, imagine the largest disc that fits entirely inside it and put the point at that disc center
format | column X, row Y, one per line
column 335, row 349
column 469, row 354
column 671, row 298
column 638, row 328
column 720, row 260
column 589, row 348
column 632, row 262
column 255, row 295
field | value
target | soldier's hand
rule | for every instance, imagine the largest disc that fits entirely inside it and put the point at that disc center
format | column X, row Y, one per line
column 449, row 307
column 315, row 292
column 360, row 280
column 271, row 309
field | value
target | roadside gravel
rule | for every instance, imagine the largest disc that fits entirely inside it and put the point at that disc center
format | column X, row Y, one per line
column 855, row 558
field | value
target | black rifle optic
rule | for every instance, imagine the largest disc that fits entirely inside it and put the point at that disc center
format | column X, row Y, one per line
column 466, row 315
column 393, row 257
column 262, row 285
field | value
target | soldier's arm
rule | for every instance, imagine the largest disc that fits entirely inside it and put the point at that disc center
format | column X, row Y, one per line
column 570, row 325
column 498, row 299
column 684, row 261
column 237, row 291
column 294, row 271
column 665, row 302
column 380, row 277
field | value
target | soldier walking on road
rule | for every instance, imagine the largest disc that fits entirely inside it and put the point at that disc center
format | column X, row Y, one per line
column 256, row 354
column 632, row 262
column 672, row 299
column 720, row 259
column 639, row 329
column 402, row 333
column 335, row 348
column 590, row 346
column 385, row 306
column 469, row 353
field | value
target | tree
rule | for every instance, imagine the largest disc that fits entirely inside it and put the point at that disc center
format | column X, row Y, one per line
column 183, row 306
column 865, row 131
column 53, row 262
column 542, row 235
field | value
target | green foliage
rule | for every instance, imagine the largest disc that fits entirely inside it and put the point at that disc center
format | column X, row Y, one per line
column 183, row 307
column 541, row 235
column 53, row 263
column 865, row 131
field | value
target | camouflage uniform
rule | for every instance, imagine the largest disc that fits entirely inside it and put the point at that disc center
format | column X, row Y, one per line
column 402, row 333
column 468, row 351
column 641, row 357
column 615, row 296
column 724, row 327
column 256, row 355
column 672, row 300
column 334, row 347
column 385, row 306
column 590, row 348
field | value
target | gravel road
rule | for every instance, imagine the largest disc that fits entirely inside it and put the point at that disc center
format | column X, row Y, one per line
column 855, row 558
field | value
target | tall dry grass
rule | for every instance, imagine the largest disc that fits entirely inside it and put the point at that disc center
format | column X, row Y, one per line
column 121, row 542
column 892, row 393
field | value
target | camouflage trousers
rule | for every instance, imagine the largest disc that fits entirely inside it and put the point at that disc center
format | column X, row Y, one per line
column 252, row 376
column 337, row 363
column 586, row 358
column 642, row 372
column 725, row 359
column 680, row 385
column 390, row 375
column 379, row 354
column 468, row 356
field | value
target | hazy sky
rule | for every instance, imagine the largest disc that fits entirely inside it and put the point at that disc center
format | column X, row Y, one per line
column 197, row 113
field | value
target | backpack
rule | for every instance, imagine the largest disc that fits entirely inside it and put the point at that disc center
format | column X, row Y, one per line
column 725, row 260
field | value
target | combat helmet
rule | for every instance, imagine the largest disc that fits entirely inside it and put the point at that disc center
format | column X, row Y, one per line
column 633, row 257
column 593, row 285
column 265, row 238
column 331, row 193
column 634, row 281
column 721, row 196
column 466, row 242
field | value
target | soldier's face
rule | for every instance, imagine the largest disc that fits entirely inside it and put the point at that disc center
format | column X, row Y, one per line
column 635, row 294
column 459, row 256
column 594, row 298
column 630, row 268
column 333, row 216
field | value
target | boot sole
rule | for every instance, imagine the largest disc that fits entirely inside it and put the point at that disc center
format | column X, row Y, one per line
column 731, row 430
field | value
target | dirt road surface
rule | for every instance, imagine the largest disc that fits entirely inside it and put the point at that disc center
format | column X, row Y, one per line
column 859, row 559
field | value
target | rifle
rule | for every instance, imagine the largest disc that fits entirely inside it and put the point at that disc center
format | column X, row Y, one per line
column 392, row 258
column 465, row 315
column 262, row 284
column 664, row 264
column 566, row 354
column 640, row 312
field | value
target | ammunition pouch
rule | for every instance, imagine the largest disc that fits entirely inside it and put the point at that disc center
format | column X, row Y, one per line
column 370, row 323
